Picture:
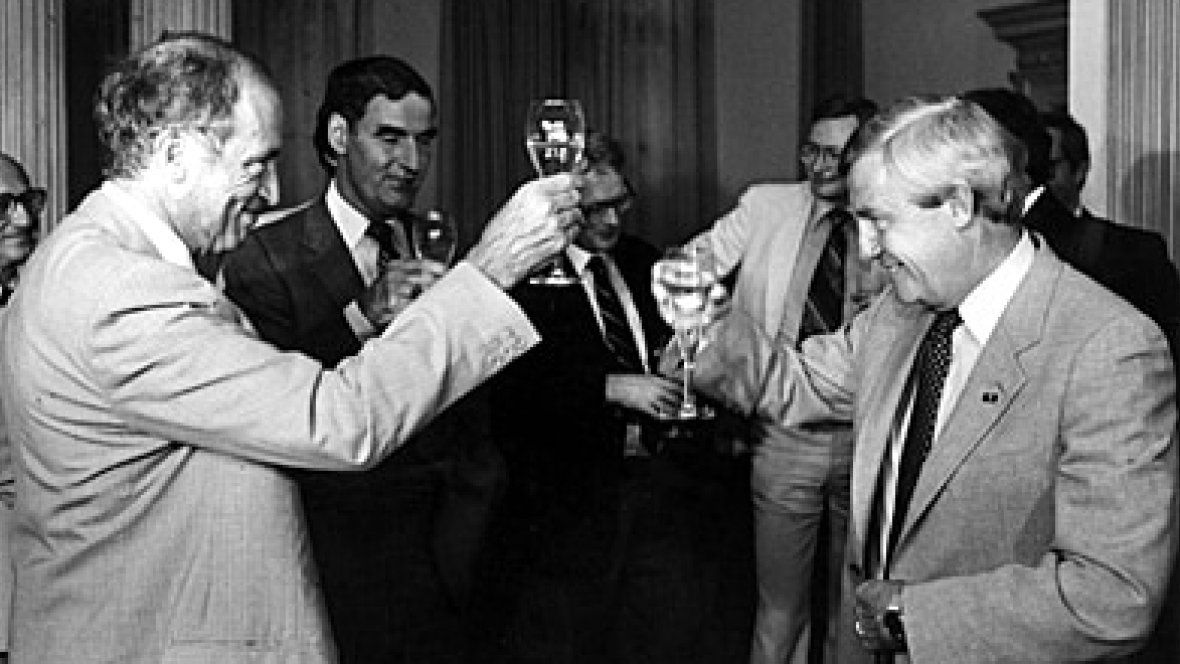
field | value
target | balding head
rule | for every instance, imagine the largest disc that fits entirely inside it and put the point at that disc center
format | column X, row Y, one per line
column 13, row 178
column 20, row 206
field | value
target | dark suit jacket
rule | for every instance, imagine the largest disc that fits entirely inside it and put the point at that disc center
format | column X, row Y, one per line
column 294, row 278
column 562, row 441
column 1132, row 262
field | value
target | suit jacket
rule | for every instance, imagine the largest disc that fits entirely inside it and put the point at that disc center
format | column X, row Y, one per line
column 1132, row 262
column 1042, row 525
column 154, row 522
column 293, row 278
column 562, row 440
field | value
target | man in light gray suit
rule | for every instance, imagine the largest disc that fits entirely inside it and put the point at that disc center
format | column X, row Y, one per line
column 154, row 522
column 1014, row 463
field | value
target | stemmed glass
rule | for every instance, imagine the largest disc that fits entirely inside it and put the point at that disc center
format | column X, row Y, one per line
column 555, row 135
column 682, row 282
column 434, row 236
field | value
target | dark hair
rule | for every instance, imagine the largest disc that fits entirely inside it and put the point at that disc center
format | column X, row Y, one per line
column 1017, row 114
column 183, row 80
column 1075, row 147
column 602, row 149
column 841, row 106
column 350, row 87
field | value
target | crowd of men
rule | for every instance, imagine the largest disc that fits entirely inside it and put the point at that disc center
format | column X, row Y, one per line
column 324, row 448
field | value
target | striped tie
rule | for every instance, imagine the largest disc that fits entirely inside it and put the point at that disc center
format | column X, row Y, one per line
column 824, row 310
column 615, row 329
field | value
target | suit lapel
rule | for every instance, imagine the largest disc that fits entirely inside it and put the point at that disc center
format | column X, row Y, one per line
column 995, row 382
column 332, row 263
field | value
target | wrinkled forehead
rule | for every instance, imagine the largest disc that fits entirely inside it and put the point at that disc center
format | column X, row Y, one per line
column 602, row 182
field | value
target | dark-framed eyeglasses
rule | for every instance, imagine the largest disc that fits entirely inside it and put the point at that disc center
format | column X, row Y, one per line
column 33, row 200
column 811, row 153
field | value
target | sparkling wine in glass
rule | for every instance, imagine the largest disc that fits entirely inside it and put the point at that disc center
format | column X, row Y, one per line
column 682, row 282
column 434, row 236
column 555, row 135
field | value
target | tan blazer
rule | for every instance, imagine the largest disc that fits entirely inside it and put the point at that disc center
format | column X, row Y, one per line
column 154, row 522
column 1042, row 526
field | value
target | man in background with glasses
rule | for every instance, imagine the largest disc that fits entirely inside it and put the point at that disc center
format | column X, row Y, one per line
column 20, row 214
column 799, row 275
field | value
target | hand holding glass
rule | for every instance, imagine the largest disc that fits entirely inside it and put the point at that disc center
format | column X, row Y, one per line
column 555, row 135
column 682, row 282
column 435, row 236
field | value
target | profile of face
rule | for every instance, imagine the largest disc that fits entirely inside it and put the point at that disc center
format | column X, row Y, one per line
column 820, row 155
column 382, row 158
column 604, row 198
column 1065, row 181
column 236, row 180
column 923, row 250
column 20, row 209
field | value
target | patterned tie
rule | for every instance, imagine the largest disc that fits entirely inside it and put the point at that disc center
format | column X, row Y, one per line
column 383, row 234
column 930, row 369
column 614, row 319
column 824, row 309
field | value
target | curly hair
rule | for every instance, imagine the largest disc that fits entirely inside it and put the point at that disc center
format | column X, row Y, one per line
column 184, row 80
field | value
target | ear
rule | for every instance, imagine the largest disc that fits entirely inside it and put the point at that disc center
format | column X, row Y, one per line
column 338, row 133
column 173, row 152
column 960, row 202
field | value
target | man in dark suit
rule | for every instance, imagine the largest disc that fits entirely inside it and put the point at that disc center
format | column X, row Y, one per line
column 604, row 540
column 1131, row 262
column 400, row 541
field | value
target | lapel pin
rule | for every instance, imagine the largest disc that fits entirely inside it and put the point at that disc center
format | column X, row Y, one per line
column 990, row 397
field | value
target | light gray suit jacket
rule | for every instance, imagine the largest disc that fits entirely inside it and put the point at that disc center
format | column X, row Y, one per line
column 154, row 522
column 1043, row 525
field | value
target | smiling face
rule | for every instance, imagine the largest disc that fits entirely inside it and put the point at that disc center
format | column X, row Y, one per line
column 230, row 182
column 926, row 251
column 18, row 224
column 383, row 157
column 820, row 155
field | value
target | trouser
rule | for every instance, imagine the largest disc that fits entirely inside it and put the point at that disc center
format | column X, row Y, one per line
column 797, row 480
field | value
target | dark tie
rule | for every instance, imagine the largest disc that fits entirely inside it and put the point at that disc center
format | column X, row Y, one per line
column 614, row 319
column 929, row 372
column 383, row 234
column 824, row 309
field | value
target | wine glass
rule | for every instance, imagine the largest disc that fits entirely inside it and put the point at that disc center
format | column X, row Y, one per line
column 555, row 134
column 434, row 236
column 682, row 282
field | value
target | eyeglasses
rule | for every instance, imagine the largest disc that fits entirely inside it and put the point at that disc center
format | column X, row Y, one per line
column 811, row 153
column 32, row 199
column 619, row 204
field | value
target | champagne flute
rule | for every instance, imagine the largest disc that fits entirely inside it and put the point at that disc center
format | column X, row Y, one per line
column 555, row 134
column 434, row 236
column 682, row 282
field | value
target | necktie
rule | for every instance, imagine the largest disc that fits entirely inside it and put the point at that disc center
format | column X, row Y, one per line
column 824, row 310
column 383, row 234
column 614, row 319
column 930, row 369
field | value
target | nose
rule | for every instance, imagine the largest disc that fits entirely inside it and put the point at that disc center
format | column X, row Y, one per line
column 409, row 154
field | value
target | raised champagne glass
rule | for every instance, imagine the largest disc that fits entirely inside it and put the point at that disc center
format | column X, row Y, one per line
column 555, row 135
column 682, row 282
column 434, row 236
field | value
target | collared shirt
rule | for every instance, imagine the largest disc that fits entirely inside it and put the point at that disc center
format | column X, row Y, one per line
column 580, row 259
column 981, row 311
column 352, row 225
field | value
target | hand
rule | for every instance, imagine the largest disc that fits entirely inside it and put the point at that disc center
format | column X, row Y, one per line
column 399, row 284
column 534, row 225
column 872, row 598
column 645, row 393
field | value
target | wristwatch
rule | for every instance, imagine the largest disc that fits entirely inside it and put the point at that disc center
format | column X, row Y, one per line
column 894, row 621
